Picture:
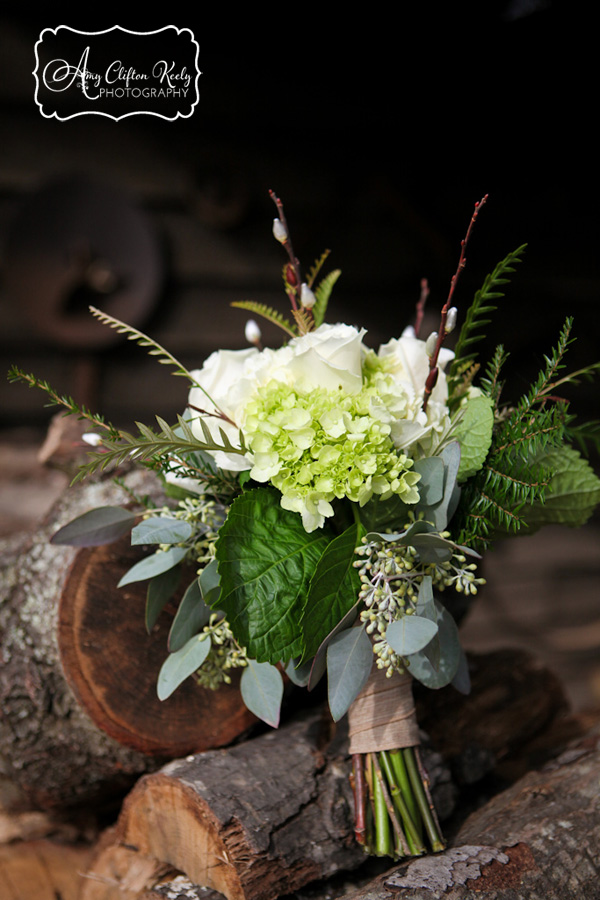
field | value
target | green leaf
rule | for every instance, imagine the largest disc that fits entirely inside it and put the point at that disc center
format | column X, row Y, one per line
column 474, row 434
column 193, row 614
column 427, row 607
column 409, row 634
column 299, row 674
column 440, row 513
column 159, row 562
column 349, row 663
column 572, row 493
column 96, row 527
column 266, row 560
column 462, row 680
column 322, row 294
column 262, row 689
column 210, row 583
column 319, row 663
column 431, row 485
column 179, row 666
column 160, row 590
column 421, row 668
column 333, row 589
column 161, row 530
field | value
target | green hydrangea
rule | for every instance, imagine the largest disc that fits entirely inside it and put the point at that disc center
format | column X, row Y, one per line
column 318, row 445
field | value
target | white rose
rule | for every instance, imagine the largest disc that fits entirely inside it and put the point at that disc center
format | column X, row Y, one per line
column 329, row 357
column 408, row 363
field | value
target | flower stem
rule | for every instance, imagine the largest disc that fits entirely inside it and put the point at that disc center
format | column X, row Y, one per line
column 413, row 839
column 382, row 822
column 423, row 801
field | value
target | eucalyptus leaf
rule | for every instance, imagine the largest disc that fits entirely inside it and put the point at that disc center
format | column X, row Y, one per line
column 266, row 560
column 439, row 514
column 431, row 485
column 420, row 666
column 409, row 634
column 299, row 673
column 159, row 562
column 160, row 590
column 261, row 686
column 462, row 679
column 333, row 589
column 210, row 583
column 96, row 527
column 319, row 663
column 180, row 665
column 161, row 530
column 349, row 663
column 432, row 548
column 429, row 609
column 191, row 617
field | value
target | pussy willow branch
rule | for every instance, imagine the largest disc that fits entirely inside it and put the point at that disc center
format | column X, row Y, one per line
column 433, row 369
column 421, row 306
column 295, row 262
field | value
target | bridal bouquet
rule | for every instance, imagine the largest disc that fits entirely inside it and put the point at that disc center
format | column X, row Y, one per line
column 330, row 498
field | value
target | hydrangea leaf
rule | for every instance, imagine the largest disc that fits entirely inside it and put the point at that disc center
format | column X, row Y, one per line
column 180, row 665
column 474, row 433
column 191, row 617
column 571, row 495
column 161, row 530
column 96, row 527
column 333, row 589
column 261, row 686
column 349, row 663
column 266, row 560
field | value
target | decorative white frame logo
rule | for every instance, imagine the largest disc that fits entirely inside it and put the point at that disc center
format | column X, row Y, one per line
column 116, row 73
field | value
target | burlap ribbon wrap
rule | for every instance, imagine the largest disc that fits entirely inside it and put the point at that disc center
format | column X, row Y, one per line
column 383, row 715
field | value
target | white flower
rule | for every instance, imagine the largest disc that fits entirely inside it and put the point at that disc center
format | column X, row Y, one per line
column 329, row 357
column 407, row 361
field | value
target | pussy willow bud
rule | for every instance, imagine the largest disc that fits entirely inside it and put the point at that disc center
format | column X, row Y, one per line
column 451, row 316
column 307, row 298
column 290, row 275
column 279, row 231
column 92, row 438
column 252, row 332
column 430, row 344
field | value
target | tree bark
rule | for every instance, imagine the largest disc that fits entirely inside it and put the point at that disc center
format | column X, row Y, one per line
column 539, row 840
column 42, row 870
column 266, row 817
column 78, row 707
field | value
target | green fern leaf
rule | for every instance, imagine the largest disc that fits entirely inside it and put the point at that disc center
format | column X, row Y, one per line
column 261, row 309
column 316, row 268
column 323, row 293
column 475, row 319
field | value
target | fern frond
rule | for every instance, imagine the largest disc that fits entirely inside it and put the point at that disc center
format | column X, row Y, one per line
column 164, row 357
column 323, row 293
column 304, row 320
column 483, row 303
column 316, row 268
column 153, row 447
column 490, row 383
column 261, row 309
column 71, row 407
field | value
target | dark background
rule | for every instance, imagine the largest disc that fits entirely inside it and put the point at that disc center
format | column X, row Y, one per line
column 379, row 129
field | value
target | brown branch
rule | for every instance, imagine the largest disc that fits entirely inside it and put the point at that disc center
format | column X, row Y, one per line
column 295, row 262
column 421, row 306
column 430, row 384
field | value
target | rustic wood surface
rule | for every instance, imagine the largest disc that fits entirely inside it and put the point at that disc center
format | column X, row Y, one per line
column 83, row 737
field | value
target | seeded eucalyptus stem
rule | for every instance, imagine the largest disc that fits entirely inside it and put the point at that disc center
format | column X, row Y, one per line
column 394, row 814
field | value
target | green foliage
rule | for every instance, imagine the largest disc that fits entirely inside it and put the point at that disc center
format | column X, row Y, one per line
column 483, row 304
column 96, row 527
column 409, row 634
column 191, row 617
column 262, row 689
column 54, row 399
column 323, row 293
column 266, row 560
column 514, row 474
column 421, row 667
column 153, row 447
column 150, row 566
column 266, row 312
column 163, row 356
column 160, row 590
column 572, row 493
column 349, row 664
column 333, row 589
column 474, row 434
column 161, row 530
column 180, row 665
